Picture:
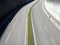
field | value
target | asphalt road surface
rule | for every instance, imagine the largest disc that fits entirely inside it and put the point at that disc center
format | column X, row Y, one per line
column 16, row 32
column 45, row 32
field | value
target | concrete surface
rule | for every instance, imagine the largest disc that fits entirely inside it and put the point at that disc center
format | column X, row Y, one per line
column 16, row 32
column 46, row 33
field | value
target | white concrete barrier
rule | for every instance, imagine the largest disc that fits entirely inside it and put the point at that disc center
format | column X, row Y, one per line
column 52, row 13
column 54, row 10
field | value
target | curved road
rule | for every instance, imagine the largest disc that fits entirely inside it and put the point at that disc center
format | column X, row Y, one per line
column 45, row 32
column 16, row 32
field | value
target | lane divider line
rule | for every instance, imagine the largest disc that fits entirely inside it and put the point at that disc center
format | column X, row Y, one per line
column 53, row 41
column 33, row 31
column 8, row 36
column 26, row 32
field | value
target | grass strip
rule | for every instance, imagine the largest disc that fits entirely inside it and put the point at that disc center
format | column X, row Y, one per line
column 30, row 33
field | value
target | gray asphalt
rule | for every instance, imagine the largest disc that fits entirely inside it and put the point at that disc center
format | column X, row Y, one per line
column 46, row 33
column 16, row 32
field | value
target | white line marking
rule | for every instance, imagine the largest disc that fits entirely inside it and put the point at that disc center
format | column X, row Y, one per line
column 53, row 41
column 33, row 31
column 15, row 22
column 8, row 36
column 26, row 33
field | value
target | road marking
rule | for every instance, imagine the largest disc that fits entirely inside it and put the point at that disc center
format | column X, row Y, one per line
column 14, row 24
column 26, row 32
column 8, row 36
column 53, row 41
column 50, row 37
column 33, row 31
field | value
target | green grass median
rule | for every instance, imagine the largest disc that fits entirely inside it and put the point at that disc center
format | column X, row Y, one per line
column 30, row 33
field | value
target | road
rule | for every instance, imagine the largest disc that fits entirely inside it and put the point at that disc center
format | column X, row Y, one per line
column 16, row 32
column 45, row 32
